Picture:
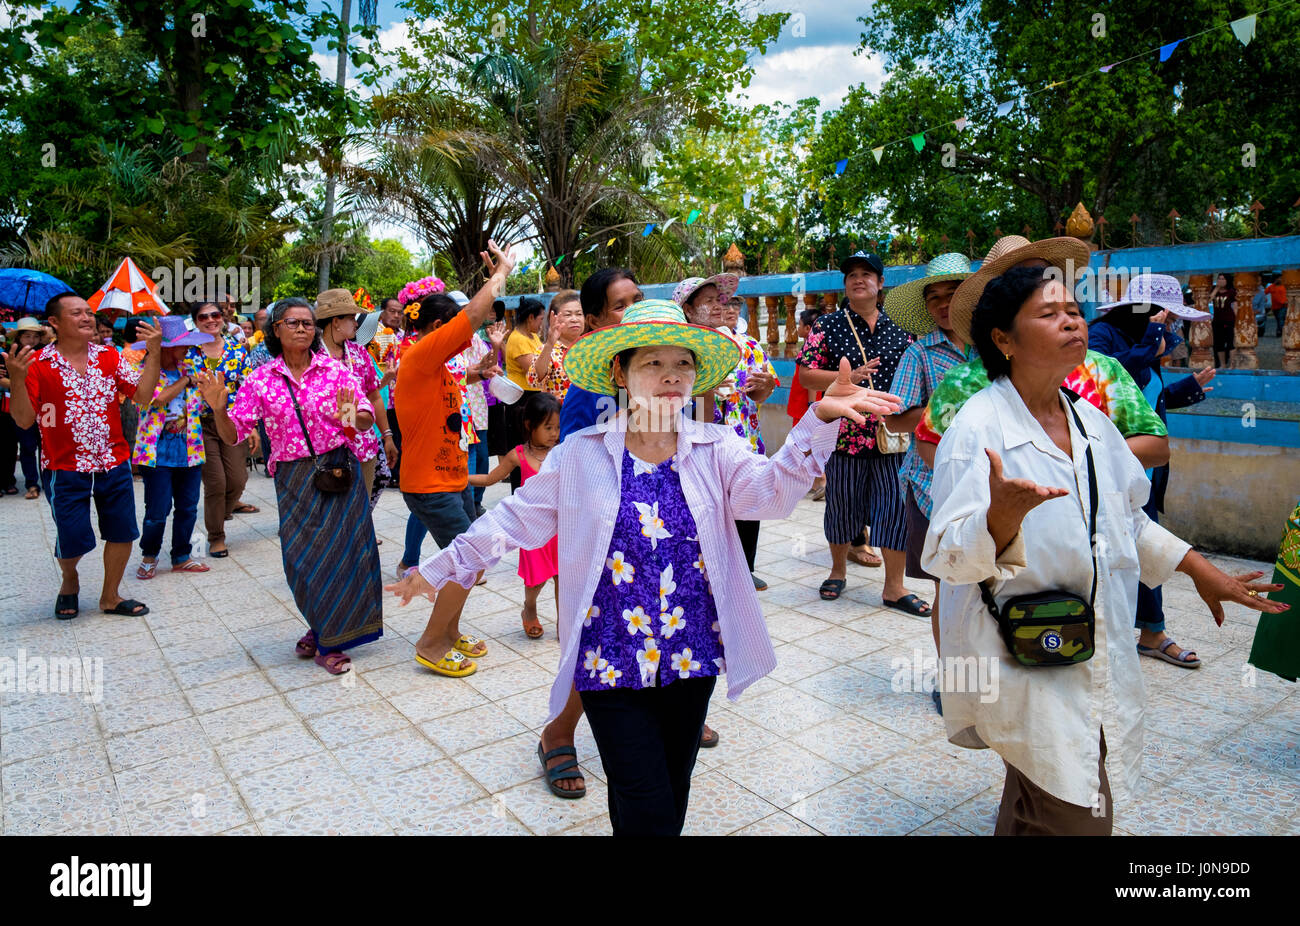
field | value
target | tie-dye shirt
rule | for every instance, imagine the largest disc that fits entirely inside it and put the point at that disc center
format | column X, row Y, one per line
column 1101, row 380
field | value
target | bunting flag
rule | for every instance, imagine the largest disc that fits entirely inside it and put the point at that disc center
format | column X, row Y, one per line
column 748, row 196
column 1167, row 50
column 918, row 141
column 610, row 242
column 668, row 223
column 558, row 259
column 690, row 219
column 649, row 227
column 1004, row 108
column 960, row 124
column 878, row 152
column 840, row 166
column 1105, row 68
column 1244, row 29
column 592, row 248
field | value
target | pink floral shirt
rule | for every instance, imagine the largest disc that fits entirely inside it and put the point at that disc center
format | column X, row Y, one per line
column 355, row 358
column 265, row 397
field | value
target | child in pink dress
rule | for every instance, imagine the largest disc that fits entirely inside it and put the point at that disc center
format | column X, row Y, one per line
column 536, row 567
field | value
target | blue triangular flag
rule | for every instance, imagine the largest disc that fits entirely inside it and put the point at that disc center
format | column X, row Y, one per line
column 840, row 165
column 649, row 227
column 748, row 194
column 1004, row 108
column 1167, row 50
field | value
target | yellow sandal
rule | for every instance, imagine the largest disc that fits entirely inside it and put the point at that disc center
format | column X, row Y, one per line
column 453, row 665
column 466, row 646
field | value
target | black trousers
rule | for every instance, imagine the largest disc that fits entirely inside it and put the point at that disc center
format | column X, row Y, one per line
column 648, row 739
column 748, row 531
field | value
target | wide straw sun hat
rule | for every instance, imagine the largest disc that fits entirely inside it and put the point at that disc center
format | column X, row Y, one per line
column 650, row 323
column 905, row 303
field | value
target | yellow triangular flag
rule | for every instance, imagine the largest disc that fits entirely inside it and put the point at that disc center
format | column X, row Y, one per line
column 610, row 242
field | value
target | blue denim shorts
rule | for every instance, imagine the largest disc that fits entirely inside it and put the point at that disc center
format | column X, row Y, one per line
column 69, row 494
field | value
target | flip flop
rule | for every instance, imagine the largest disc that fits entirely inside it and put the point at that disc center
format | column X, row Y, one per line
column 246, row 508
column 218, row 554
column 909, row 604
column 453, row 665
column 65, row 602
column 191, row 565
column 1182, row 660
column 32, row 492
column 707, row 741
column 127, row 607
column 870, row 560
column 759, row 584
column 466, row 646
column 306, row 647
column 565, row 770
column 831, row 589
column 819, row 494
column 334, row 663
column 146, row 571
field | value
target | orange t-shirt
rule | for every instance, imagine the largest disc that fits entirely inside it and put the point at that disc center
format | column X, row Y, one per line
column 427, row 397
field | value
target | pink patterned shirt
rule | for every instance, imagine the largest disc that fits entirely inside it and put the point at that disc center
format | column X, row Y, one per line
column 356, row 359
column 265, row 397
column 576, row 495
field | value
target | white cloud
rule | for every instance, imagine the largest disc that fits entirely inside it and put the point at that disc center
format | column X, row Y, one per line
column 823, row 71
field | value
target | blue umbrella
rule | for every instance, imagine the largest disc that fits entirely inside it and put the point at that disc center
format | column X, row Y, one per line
column 28, row 290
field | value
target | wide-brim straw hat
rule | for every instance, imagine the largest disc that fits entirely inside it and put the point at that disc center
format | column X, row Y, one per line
column 650, row 323
column 335, row 303
column 905, row 303
column 1069, row 255
column 1155, row 292
column 727, row 284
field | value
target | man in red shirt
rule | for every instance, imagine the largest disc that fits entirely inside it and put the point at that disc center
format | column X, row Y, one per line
column 1277, row 295
column 70, row 389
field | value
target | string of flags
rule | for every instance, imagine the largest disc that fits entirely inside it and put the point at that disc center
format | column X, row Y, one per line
column 1243, row 28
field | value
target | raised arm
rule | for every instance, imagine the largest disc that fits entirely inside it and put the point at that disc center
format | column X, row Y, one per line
column 499, row 264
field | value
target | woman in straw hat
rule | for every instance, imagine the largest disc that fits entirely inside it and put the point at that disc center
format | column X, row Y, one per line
column 655, row 600
column 1039, row 504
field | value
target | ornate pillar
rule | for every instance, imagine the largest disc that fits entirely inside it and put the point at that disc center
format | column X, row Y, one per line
column 552, row 280
column 772, row 303
column 1201, row 337
column 1291, row 327
column 752, row 303
column 830, row 301
column 1244, row 356
column 791, row 322
column 733, row 261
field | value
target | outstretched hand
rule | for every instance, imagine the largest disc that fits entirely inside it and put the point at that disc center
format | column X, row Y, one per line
column 1016, row 497
column 842, row 399
column 18, row 361
column 1216, row 586
column 412, row 585
column 212, row 388
column 499, row 262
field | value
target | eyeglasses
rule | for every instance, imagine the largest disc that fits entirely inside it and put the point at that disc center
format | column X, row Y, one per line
column 207, row 316
column 297, row 324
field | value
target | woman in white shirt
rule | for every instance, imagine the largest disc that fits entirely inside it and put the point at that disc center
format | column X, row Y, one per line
column 1011, row 492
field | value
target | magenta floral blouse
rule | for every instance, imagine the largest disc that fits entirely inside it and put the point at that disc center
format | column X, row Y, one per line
column 265, row 397
column 357, row 360
column 652, row 619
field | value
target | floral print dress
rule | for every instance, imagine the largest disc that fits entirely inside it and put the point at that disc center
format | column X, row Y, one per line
column 652, row 619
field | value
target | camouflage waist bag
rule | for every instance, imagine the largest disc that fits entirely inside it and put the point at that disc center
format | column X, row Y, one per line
column 1052, row 628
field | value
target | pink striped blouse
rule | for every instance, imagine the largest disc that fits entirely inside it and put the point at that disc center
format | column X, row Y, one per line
column 576, row 495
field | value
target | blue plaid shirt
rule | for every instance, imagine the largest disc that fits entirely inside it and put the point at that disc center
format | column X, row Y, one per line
column 920, row 371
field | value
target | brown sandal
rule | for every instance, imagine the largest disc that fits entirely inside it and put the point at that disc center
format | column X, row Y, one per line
column 870, row 560
column 307, row 645
column 534, row 631
column 245, row 508
column 335, row 663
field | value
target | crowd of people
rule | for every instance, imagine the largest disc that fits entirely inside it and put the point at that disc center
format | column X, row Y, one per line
column 969, row 424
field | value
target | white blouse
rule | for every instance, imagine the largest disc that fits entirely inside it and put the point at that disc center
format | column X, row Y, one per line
column 1045, row 721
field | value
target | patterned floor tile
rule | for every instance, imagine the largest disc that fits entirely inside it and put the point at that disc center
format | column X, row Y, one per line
column 216, row 669
column 472, row 728
column 1269, row 747
column 169, row 778
column 348, row 817
column 840, row 644
column 424, row 799
column 1253, row 791
column 355, row 724
column 784, row 711
column 718, row 806
column 139, row 715
column 932, row 777
column 259, row 751
column 333, row 694
column 777, row 824
column 843, row 686
column 858, row 807
column 794, row 663
column 783, row 774
column 497, row 683
column 318, row 780
column 145, row 746
column 910, row 713
column 245, row 719
column 54, row 771
column 436, row 697
column 1178, row 813
column 851, row 742
column 503, row 764
column 546, row 815
column 228, row 692
column 387, row 755
column 204, row 812
column 46, row 738
column 70, row 808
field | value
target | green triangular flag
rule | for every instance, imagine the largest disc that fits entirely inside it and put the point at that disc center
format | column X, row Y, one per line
column 558, row 259
column 1244, row 28
column 918, row 141
column 878, row 152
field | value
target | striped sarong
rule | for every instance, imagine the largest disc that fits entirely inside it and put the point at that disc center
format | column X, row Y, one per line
column 330, row 556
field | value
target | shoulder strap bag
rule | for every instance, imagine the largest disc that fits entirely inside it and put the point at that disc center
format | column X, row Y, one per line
column 887, row 441
column 332, row 480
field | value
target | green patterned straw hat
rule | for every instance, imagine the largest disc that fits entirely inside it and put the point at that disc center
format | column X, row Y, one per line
column 905, row 304
column 650, row 323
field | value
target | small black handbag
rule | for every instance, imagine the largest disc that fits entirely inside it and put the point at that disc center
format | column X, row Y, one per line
column 332, row 480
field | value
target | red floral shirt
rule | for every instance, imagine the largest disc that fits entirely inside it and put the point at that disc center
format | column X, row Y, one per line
column 79, row 418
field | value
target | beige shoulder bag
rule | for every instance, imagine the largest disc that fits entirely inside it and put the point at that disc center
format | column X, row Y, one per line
column 886, row 440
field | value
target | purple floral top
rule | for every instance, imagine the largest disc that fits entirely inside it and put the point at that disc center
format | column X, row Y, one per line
column 652, row 619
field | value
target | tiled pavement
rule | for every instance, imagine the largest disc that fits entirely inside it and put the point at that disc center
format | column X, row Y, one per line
column 209, row 724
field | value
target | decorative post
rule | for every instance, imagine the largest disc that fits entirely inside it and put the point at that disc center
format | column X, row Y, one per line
column 791, row 320
column 1244, row 356
column 733, row 261
column 773, row 319
column 752, row 328
column 1291, row 327
column 552, row 280
column 1201, row 336
column 830, row 302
